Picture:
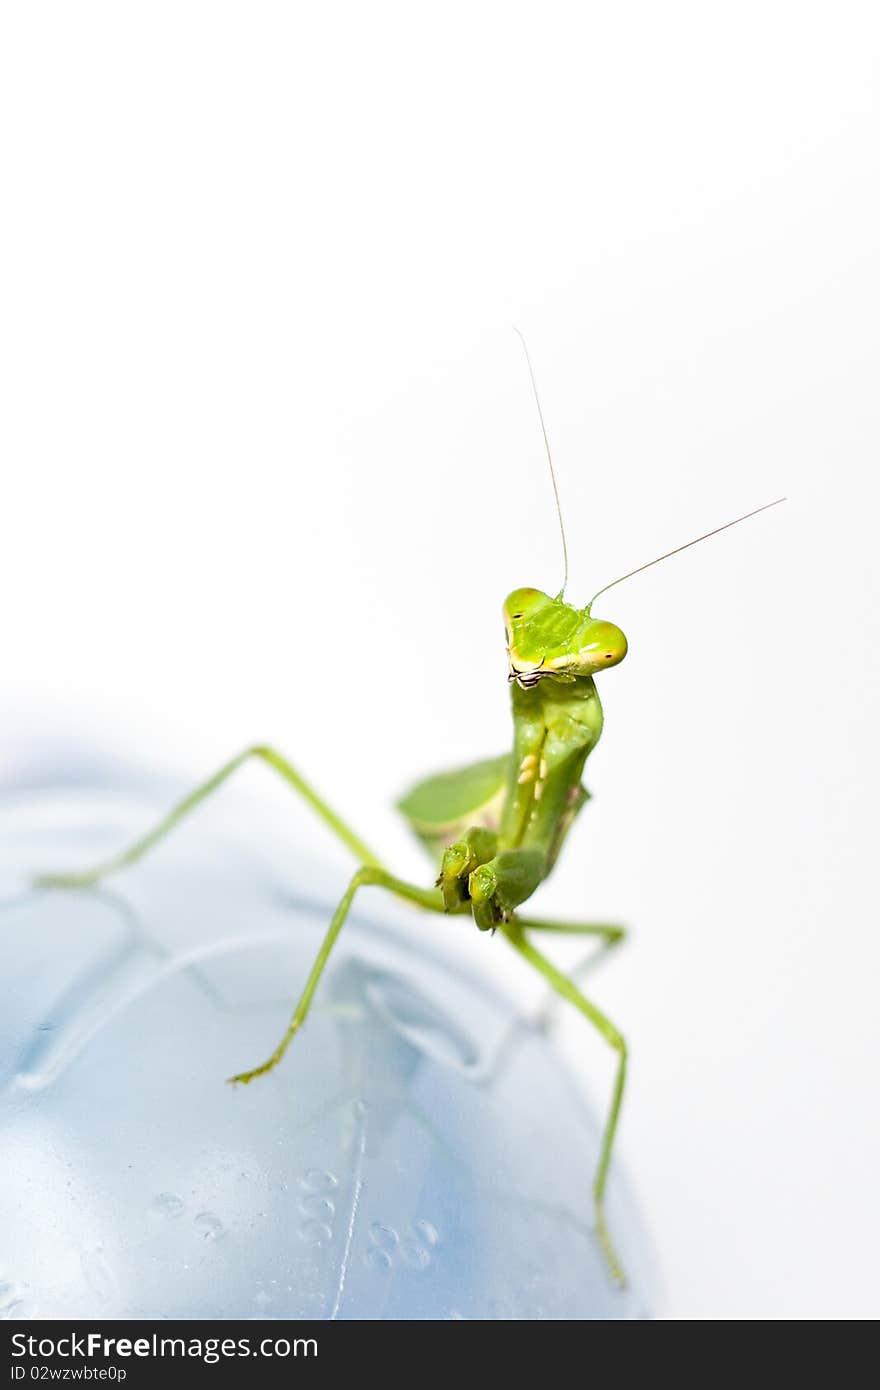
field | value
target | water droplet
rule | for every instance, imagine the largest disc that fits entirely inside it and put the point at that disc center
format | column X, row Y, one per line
column 426, row 1231
column 168, row 1204
column 414, row 1254
column 377, row 1260
column 383, row 1236
column 209, row 1225
column 317, row 1180
column 321, row 1208
column 315, row 1232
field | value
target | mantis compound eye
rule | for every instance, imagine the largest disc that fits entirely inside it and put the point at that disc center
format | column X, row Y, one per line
column 605, row 646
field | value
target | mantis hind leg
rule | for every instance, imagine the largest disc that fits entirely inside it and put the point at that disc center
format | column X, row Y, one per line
column 569, row 991
column 259, row 752
column 369, row 874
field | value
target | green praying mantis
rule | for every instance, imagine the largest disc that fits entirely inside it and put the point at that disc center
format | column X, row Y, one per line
column 495, row 828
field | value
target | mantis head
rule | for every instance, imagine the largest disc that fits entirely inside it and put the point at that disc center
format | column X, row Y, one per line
column 548, row 638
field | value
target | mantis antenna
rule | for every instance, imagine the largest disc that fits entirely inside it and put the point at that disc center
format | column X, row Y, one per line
column 549, row 459
column 726, row 527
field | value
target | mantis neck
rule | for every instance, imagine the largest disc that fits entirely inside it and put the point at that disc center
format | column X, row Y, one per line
column 555, row 726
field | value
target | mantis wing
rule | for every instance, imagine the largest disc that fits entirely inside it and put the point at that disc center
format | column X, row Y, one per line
column 442, row 807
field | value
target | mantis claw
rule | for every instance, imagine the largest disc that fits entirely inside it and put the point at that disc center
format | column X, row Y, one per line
column 63, row 880
column 460, row 860
column 243, row 1077
column 615, row 1268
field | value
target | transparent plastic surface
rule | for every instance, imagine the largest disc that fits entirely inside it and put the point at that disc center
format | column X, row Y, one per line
column 420, row 1153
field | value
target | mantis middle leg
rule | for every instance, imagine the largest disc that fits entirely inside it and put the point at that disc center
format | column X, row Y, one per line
column 567, row 990
column 429, row 898
column 610, row 933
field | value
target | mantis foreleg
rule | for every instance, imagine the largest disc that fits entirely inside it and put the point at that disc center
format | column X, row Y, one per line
column 569, row 991
column 429, row 898
column 262, row 753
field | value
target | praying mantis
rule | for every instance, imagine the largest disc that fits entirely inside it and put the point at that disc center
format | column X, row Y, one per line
column 495, row 828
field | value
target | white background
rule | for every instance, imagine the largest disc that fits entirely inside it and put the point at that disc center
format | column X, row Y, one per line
column 270, row 463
